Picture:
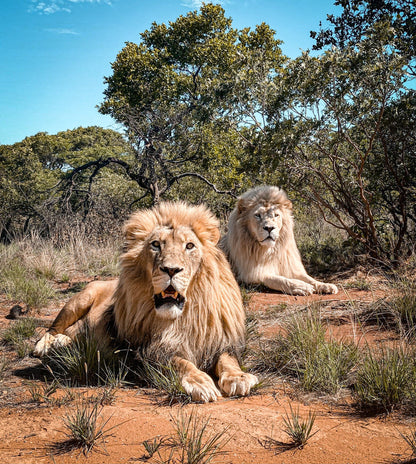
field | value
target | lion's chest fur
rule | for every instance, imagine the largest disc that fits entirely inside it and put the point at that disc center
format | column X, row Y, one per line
column 198, row 335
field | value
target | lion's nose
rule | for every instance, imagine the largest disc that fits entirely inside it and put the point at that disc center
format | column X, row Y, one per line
column 171, row 270
column 268, row 228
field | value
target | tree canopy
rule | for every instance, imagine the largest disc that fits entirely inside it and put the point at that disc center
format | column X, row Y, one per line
column 182, row 90
column 208, row 107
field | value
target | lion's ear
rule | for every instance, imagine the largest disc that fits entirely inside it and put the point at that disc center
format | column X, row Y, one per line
column 241, row 206
column 206, row 227
column 137, row 227
column 287, row 204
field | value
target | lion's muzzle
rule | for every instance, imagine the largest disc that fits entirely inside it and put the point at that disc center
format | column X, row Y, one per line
column 169, row 303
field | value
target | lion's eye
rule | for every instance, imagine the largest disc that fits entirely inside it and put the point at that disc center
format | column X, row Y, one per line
column 155, row 244
column 257, row 216
column 189, row 246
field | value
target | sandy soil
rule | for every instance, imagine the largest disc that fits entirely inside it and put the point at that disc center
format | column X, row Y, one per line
column 35, row 433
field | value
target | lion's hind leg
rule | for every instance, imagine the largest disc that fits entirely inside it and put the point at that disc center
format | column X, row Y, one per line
column 232, row 380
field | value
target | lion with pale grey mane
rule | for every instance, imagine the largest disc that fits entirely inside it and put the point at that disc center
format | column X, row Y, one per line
column 176, row 299
column 261, row 246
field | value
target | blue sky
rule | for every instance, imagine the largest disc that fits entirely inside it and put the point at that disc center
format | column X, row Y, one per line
column 54, row 54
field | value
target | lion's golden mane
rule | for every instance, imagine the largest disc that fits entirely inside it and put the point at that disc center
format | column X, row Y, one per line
column 212, row 321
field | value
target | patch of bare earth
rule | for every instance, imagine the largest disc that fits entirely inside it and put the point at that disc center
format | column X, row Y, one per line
column 32, row 432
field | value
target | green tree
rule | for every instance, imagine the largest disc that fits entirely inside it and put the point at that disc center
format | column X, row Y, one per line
column 40, row 179
column 359, row 16
column 185, row 91
column 339, row 144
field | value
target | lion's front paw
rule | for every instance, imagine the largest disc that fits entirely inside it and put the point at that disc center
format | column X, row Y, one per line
column 326, row 288
column 298, row 287
column 200, row 387
column 44, row 345
column 61, row 340
column 237, row 384
column 48, row 341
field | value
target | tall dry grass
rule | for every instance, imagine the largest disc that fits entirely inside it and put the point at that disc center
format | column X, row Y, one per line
column 31, row 266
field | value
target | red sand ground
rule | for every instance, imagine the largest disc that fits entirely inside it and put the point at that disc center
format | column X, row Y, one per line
column 30, row 433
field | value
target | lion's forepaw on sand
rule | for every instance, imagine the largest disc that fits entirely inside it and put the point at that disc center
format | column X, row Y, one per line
column 261, row 246
column 237, row 383
column 200, row 387
column 176, row 299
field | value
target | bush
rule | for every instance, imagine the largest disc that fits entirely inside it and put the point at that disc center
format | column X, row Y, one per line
column 305, row 354
column 386, row 381
column 20, row 284
column 18, row 335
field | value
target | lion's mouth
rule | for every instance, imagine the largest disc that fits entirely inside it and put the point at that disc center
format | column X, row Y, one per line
column 169, row 295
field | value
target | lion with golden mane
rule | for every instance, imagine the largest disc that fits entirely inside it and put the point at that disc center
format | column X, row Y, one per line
column 261, row 246
column 176, row 298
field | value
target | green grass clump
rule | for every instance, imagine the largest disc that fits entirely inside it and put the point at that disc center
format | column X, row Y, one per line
column 304, row 353
column 194, row 442
column 359, row 284
column 299, row 430
column 163, row 377
column 85, row 427
column 386, row 381
column 410, row 439
column 18, row 335
column 20, row 284
column 398, row 311
column 403, row 308
column 153, row 446
column 86, row 362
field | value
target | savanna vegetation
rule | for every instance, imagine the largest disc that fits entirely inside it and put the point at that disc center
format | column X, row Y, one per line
column 208, row 111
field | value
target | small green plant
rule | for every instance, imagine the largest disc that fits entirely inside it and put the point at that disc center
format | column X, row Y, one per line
column 164, row 377
column 42, row 392
column 386, row 381
column 153, row 446
column 398, row 311
column 192, row 443
column 410, row 439
column 359, row 284
column 85, row 427
column 403, row 308
column 4, row 364
column 195, row 443
column 65, row 277
column 18, row 335
column 106, row 395
column 298, row 429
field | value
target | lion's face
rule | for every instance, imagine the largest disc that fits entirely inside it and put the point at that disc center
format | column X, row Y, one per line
column 176, row 256
column 264, row 223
